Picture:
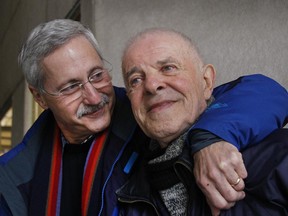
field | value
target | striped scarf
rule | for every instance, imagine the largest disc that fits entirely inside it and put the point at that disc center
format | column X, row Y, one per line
column 54, row 185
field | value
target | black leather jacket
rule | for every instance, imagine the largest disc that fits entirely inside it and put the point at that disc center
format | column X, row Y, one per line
column 266, row 185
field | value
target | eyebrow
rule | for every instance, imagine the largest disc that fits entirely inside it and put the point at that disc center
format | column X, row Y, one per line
column 95, row 68
column 169, row 59
column 74, row 80
column 131, row 72
column 159, row 63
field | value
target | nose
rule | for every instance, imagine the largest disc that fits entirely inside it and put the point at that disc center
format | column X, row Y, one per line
column 90, row 94
column 153, row 83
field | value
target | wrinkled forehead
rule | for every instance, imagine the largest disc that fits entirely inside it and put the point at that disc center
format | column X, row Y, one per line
column 154, row 46
column 155, row 39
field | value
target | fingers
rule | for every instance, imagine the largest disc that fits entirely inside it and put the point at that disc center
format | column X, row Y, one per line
column 220, row 193
column 232, row 179
column 219, row 171
column 216, row 200
column 235, row 172
column 230, row 192
column 236, row 183
column 239, row 185
column 240, row 168
column 230, row 184
column 214, row 211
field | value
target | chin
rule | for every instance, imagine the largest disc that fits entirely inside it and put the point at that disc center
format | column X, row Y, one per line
column 100, row 124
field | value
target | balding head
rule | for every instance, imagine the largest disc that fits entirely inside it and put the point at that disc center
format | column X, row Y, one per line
column 166, row 81
column 151, row 33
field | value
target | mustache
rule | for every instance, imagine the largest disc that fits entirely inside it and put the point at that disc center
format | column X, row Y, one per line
column 88, row 109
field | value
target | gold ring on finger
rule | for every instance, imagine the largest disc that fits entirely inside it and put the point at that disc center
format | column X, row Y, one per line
column 237, row 182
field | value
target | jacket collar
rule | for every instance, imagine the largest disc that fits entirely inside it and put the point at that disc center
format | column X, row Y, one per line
column 138, row 187
column 122, row 112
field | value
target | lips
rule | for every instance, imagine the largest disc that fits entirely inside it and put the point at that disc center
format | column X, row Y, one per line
column 95, row 112
column 160, row 106
column 90, row 111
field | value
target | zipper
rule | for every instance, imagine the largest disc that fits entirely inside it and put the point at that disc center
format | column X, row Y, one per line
column 112, row 169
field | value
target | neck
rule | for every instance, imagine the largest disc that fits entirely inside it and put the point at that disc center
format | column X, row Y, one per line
column 79, row 141
column 165, row 143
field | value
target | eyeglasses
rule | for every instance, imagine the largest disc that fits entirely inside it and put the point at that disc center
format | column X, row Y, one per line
column 98, row 79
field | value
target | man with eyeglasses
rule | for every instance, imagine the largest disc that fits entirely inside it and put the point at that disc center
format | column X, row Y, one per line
column 85, row 144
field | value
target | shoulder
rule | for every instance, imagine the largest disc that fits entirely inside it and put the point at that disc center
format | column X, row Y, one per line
column 120, row 93
column 37, row 129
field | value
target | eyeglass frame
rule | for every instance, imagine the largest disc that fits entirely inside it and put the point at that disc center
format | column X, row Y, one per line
column 80, row 85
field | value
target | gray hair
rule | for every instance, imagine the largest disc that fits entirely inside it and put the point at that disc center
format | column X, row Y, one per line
column 45, row 39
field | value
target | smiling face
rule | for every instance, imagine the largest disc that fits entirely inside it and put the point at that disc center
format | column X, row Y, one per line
column 167, row 84
column 77, row 117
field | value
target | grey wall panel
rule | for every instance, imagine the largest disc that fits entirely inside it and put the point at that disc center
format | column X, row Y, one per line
column 238, row 37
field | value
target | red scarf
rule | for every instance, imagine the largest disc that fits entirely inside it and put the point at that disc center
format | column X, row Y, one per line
column 55, row 182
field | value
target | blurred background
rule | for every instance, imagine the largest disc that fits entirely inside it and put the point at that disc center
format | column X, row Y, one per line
column 238, row 36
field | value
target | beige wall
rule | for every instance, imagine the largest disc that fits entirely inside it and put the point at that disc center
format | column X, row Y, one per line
column 237, row 36
column 18, row 17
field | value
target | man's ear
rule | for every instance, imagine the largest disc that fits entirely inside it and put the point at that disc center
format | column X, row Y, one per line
column 209, row 74
column 38, row 97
